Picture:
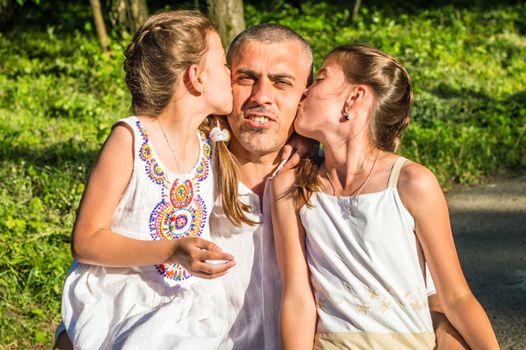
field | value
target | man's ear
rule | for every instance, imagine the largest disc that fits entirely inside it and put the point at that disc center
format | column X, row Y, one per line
column 193, row 79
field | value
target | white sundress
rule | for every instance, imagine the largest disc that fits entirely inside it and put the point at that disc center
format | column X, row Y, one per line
column 157, row 307
column 367, row 273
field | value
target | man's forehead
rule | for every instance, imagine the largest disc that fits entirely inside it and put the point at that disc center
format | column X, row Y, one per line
column 270, row 58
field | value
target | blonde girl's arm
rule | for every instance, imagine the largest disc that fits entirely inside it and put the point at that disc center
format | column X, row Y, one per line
column 297, row 311
column 94, row 243
column 423, row 197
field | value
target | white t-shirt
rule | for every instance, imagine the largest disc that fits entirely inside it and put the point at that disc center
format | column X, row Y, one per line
column 253, row 286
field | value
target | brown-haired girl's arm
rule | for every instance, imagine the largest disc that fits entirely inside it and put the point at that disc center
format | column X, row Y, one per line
column 297, row 311
column 423, row 197
column 297, row 148
column 94, row 243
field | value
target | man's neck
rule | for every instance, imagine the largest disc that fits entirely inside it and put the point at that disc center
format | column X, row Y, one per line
column 254, row 169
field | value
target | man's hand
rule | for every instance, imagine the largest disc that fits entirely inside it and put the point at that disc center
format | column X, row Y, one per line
column 63, row 342
column 298, row 147
column 197, row 256
column 447, row 337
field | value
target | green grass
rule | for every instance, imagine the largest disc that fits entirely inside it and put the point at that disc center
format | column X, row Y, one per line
column 59, row 96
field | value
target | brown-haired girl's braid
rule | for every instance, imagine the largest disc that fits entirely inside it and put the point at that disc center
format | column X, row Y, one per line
column 393, row 97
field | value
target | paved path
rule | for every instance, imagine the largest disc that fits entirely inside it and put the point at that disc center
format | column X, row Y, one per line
column 489, row 225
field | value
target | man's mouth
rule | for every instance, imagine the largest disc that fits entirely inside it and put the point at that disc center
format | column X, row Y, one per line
column 258, row 119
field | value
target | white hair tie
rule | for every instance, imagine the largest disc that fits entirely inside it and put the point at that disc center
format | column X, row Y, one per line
column 217, row 134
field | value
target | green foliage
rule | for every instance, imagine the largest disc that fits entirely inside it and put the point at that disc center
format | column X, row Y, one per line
column 59, row 96
column 468, row 71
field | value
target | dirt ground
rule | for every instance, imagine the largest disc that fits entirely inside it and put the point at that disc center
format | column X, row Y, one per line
column 489, row 227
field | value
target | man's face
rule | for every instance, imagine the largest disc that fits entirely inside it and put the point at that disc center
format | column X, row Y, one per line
column 268, row 80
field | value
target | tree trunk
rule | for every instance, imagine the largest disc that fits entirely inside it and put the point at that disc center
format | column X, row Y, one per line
column 355, row 10
column 228, row 16
column 296, row 4
column 128, row 15
column 99, row 25
column 7, row 15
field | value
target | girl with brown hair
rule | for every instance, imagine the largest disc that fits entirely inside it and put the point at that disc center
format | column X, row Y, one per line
column 142, row 258
column 356, row 230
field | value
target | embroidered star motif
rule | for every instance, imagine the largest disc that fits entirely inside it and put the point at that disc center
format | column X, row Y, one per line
column 363, row 309
column 417, row 306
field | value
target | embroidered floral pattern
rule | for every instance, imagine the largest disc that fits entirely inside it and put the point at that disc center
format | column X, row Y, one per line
column 146, row 152
column 202, row 169
column 168, row 222
column 181, row 194
column 174, row 272
column 154, row 171
column 181, row 212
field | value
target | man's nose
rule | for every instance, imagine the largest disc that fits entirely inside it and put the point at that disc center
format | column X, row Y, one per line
column 262, row 92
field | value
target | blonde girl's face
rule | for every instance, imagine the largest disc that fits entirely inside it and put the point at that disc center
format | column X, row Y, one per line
column 324, row 102
column 216, row 77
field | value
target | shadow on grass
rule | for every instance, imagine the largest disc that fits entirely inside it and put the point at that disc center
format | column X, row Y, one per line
column 68, row 153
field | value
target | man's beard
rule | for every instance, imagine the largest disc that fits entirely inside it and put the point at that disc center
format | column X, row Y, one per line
column 254, row 139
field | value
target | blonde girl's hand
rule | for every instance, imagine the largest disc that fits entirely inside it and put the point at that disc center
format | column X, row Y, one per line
column 200, row 257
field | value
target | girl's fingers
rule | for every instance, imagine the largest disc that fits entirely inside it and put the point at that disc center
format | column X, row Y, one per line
column 206, row 245
column 211, row 256
column 211, row 270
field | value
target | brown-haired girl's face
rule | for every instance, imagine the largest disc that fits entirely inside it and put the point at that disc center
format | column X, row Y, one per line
column 216, row 77
column 323, row 102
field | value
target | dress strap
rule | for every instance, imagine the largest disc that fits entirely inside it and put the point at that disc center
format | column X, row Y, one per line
column 395, row 172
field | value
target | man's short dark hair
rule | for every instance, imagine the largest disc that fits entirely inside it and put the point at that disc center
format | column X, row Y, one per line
column 269, row 33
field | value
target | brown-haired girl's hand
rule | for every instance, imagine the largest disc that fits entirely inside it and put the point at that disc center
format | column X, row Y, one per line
column 200, row 257
column 296, row 148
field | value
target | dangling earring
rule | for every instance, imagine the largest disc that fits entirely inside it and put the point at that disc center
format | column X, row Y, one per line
column 204, row 90
column 348, row 105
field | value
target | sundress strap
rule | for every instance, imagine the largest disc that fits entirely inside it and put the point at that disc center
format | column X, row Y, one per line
column 395, row 172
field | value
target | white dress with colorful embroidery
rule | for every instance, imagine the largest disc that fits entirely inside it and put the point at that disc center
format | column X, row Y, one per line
column 157, row 307
column 367, row 272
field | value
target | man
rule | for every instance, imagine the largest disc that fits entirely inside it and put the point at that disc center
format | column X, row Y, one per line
column 271, row 67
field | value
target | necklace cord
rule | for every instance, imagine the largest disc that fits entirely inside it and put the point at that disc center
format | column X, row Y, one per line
column 170, row 146
column 359, row 189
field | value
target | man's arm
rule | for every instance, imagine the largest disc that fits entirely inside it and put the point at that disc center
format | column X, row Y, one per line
column 446, row 335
